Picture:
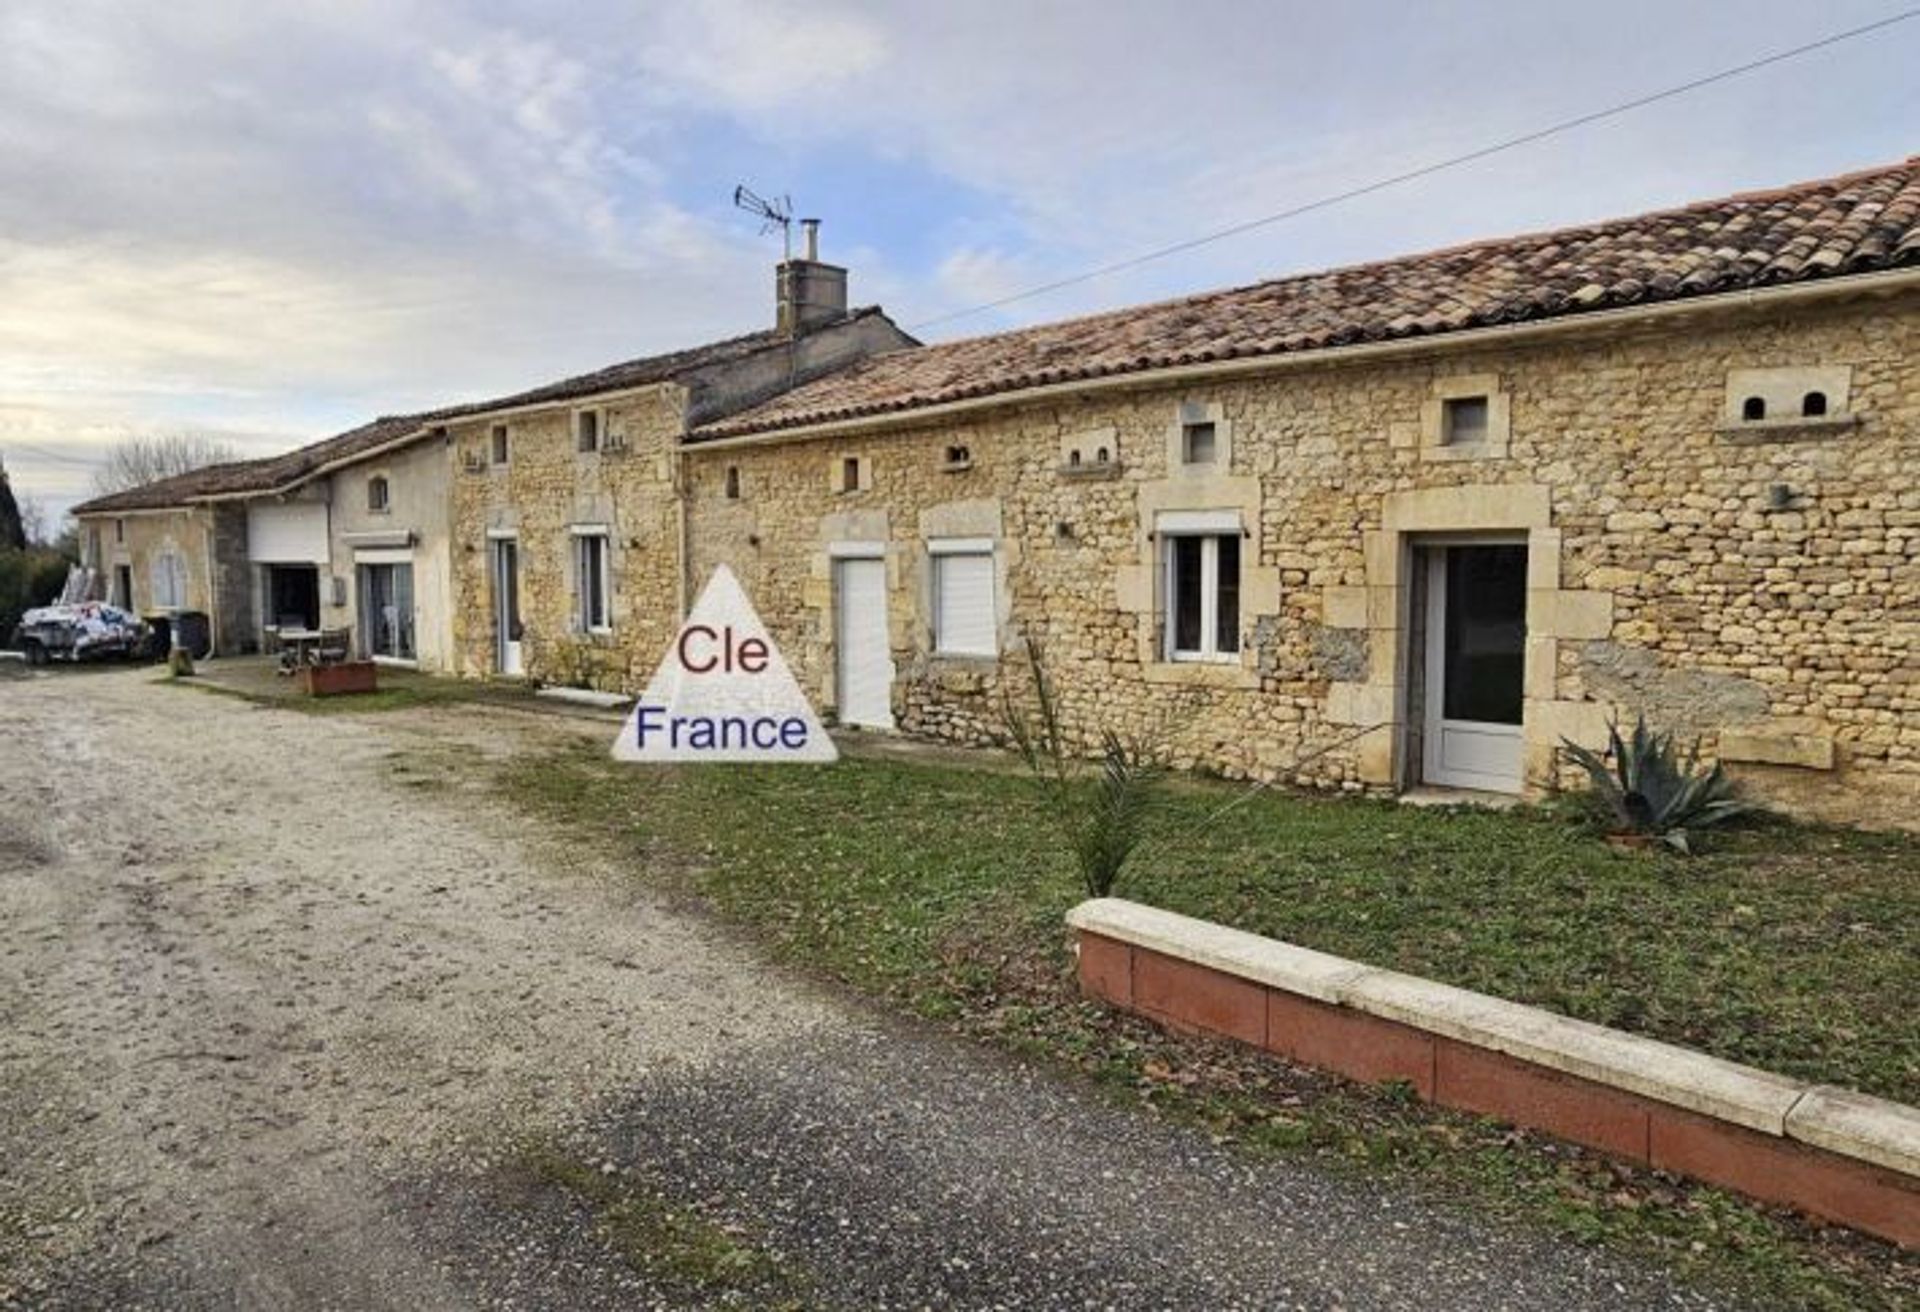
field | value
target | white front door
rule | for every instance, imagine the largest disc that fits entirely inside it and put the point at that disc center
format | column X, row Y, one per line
column 506, row 605
column 864, row 665
column 1475, row 665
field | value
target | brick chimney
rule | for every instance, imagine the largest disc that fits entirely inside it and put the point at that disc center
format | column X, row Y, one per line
column 808, row 292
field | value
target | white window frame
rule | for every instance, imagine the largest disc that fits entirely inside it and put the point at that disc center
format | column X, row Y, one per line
column 602, row 599
column 941, row 549
column 1208, row 526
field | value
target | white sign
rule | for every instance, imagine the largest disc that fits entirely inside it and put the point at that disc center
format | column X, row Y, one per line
column 723, row 693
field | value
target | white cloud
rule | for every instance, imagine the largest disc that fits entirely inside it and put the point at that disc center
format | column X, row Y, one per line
column 279, row 218
column 755, row 57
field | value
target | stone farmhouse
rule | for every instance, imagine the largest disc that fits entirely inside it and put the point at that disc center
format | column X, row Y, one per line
column 1398, row 526
column 368, row 531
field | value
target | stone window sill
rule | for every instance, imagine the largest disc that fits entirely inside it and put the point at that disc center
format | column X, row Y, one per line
column 1451, row 452
column 1792, row 428
column 1202, row 674
column 1094, row 473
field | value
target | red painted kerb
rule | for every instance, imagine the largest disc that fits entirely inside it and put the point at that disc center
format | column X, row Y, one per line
column 1189, row 996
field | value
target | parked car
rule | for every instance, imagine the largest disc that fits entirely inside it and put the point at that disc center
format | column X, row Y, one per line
column 87, row 630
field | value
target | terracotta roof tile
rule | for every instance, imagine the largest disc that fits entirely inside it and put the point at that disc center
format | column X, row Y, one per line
column 275, row 472
column 1855, row 223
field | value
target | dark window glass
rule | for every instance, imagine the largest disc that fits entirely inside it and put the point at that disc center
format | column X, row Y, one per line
column 1486, row 633
column 593, row 581
column 1186, row 593
column 1227, row 613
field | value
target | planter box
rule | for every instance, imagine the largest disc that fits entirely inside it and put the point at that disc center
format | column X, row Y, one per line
column 332, row 680
column 1832, row 1153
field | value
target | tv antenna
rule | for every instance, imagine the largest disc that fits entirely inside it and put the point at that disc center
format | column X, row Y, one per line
column 776, row 213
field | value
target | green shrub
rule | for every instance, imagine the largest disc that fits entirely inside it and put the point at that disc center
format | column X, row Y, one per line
column 1651, row 789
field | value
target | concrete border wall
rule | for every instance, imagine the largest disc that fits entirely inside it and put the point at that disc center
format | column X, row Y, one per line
column 1829, row 1152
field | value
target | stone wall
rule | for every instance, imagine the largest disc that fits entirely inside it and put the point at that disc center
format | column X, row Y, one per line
column 540, row 495
column 235, row 626
column 413, row 527
column 1759, row 585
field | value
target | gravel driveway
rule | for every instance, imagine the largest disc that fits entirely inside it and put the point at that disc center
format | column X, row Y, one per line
column 277, row 1018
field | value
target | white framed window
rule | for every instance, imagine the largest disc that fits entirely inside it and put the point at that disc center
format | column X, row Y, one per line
column 499, row 444
column 1200, row 556
column 379, row 494
column 592, row 581
column 586, row 430
column 964, row 609
column 169, row 581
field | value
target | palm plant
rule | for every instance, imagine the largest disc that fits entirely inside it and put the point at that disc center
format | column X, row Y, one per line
column 1103, row 819
column 1652, row 790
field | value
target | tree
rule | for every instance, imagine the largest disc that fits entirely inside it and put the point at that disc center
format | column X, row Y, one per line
column 33, row 523
column 13, row 531
column 137, row 461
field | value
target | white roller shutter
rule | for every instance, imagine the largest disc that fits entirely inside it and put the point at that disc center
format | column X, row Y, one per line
column 293, row 534
column 963, row 601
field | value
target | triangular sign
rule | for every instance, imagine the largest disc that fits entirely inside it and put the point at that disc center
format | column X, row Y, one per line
column 723, row 693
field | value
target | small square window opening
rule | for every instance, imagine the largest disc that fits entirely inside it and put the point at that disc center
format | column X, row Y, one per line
column 587, row 430
column 377, row 494
column 850, row 474
column 499, row 444
column 733, row 482
column 1463, row 420
column 1198, row 444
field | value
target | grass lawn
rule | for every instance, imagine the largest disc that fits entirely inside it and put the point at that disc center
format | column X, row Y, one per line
column 1789, row 948
column 943, row 887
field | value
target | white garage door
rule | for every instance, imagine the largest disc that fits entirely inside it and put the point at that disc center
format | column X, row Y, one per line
column 287, row 535
column 865, row 666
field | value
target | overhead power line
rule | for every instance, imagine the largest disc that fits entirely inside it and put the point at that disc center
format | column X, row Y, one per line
column 1425, row 170
column 57, row 457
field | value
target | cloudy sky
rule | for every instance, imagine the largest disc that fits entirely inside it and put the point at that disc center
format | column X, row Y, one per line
column 271, row 221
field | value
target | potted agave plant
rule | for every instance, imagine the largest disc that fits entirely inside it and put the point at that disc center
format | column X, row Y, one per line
column 1654, row 794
